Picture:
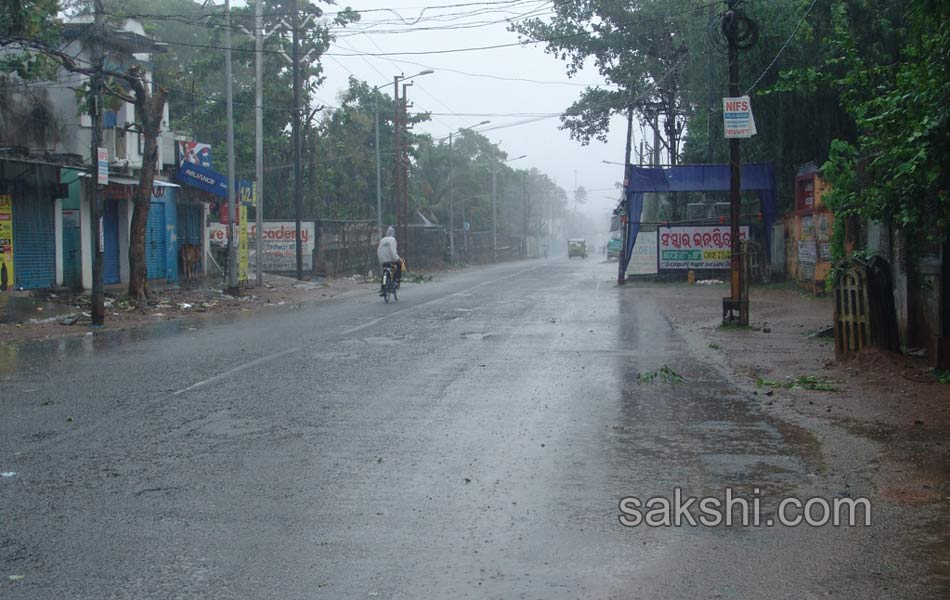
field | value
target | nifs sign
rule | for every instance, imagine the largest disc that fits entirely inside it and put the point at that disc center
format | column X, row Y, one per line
column 737, row 117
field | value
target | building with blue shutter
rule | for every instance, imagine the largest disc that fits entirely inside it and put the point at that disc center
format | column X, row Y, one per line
column 45, row 160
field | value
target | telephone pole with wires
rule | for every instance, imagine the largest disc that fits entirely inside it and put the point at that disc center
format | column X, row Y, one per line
column 95, row 112
column 740, row 33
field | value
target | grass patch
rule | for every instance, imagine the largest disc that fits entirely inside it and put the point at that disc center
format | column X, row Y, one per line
column 942, row 376
column 714, row 346
column 416, row 277
column 805, row 382
column 664, row 373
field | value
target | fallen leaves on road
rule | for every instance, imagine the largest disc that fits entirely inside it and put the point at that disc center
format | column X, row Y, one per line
column 664, row 373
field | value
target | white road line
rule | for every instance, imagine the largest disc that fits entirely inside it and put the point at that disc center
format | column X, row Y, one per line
column 229, row 372
column 372, row 322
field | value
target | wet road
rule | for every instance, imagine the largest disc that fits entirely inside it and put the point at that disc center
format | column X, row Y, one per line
column 471, row 441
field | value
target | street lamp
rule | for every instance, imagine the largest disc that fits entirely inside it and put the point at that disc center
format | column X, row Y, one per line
column 452, row 190
column 494, row 205
column 379, row 180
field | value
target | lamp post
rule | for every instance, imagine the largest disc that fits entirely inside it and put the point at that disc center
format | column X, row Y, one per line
column 494, row 205
column 379, row 181
column 452, row 189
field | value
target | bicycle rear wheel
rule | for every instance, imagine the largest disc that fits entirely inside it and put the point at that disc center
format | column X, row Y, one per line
column 386, row 285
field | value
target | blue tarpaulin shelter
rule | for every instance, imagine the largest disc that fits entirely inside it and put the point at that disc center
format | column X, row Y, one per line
column 756, row 177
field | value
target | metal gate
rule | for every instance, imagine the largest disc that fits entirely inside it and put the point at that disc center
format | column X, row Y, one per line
column 72, row 249
column 110, row 242
column 155, row 241
column 34, row 249
column 189, row 229
column 852, row 314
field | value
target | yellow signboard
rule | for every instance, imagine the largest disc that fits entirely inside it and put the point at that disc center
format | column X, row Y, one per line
column 6, row 241
column 243, row 256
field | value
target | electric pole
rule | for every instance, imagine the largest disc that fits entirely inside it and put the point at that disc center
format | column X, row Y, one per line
column 95, row 112
column 397, row 157
column 736, row 307
column 298, row 158
column 405, row 170
column 451, row 203
column 259, row 139
column 232, row 282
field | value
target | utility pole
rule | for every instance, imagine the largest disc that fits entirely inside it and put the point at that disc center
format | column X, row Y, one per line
column 259, row 139
column 379, row 177
column 524, row 214
column 737, row 303
column 298, row 154
column 451, row 202
column 95, row 112
column 494, row 214
column 397, row 157
column 232, row 282
column 405, row 170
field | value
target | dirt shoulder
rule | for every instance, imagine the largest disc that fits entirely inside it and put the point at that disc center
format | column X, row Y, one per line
column 882, row 420
column 33, row 319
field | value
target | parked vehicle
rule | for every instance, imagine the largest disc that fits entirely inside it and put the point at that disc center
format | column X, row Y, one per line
column 613, row 249
column 577, row 247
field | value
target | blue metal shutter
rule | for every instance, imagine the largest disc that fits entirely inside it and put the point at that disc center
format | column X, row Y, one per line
column 110, row 239
column 34, row 248
column 155, row 241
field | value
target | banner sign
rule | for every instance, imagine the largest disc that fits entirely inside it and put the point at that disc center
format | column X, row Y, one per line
column 280, row 251
column 102, row 158
column 738, row 121
column 697, row 247
column 209, row 180
column 6, row 242
column 243, row 258
column 194, row 153
column 643, row 259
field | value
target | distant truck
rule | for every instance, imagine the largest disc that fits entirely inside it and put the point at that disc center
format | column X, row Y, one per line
column 577, row 247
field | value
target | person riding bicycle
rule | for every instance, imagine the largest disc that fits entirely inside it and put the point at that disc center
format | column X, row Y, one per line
column 387, row 255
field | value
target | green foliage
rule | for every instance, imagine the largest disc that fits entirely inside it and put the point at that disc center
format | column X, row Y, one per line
column 887, row 63
column 804, row 382
column 664, row 373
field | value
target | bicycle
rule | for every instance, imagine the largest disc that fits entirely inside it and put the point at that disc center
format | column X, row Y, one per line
column 388, row 284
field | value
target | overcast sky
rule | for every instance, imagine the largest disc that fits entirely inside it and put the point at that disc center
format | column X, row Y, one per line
column 460, row 100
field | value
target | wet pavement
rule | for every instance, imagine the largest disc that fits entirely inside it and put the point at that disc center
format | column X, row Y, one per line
column 471, row 441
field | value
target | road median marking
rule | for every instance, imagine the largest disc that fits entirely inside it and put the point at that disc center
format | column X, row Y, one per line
column 230, row 372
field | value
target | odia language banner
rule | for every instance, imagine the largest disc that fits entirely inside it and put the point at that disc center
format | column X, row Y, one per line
column 697, row 247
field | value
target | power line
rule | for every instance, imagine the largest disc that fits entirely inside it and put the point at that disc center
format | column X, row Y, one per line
column 782, row 49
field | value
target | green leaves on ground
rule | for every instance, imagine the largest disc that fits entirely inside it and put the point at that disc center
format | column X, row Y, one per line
column 804, row 382
column 664, row 373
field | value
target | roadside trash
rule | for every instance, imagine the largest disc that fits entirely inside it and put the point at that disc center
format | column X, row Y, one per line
column 16, row 577
column 70, row 320
column 158, row 314
column 8, row 474
column 710, row 282
column 184, row 306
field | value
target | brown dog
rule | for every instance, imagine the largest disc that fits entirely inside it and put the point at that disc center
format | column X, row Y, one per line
column 190, row 254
